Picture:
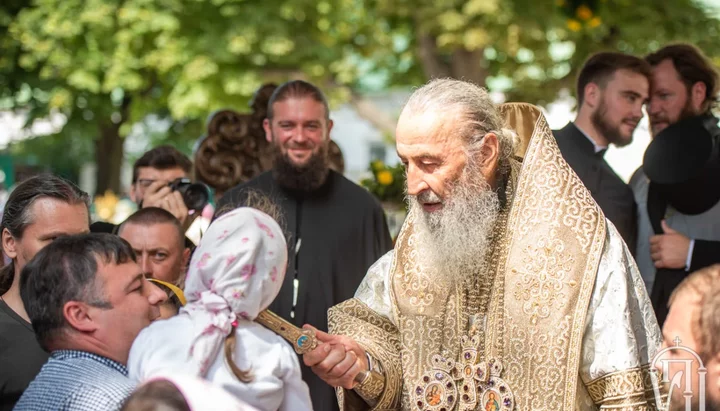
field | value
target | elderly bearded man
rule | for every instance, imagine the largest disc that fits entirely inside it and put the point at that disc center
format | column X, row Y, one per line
column 507, row 288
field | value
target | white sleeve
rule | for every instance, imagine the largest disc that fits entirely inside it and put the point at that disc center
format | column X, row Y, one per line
column 154, row 352
column 138, row 358
column 621, row 334
column 374, row 290
column 296, row 394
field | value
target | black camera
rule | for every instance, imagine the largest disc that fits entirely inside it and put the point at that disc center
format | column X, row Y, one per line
column 195, row 195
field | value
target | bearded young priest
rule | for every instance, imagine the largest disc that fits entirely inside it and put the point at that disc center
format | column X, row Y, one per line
column 508, row 288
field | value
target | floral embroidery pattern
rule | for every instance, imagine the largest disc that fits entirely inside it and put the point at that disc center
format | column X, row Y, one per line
column 265, row 228
column 273, row 274
column 247, row 271
column 223, row 235
column 230, row 259
column 204, row 259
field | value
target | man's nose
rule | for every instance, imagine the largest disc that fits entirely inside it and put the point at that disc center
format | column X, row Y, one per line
column 415, row 182
column 653, row 106
column 298, row 135
column 638, row 111
column 146, row 265
column 156, row 295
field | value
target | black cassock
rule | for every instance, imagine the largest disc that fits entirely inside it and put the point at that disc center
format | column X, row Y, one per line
column 609, row 191
column 334, row 235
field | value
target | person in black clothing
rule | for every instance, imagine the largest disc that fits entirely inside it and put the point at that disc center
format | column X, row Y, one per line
column 677, row 188
column 151, row 175
column 611, row 91
column 337, row 230
column 38, row 211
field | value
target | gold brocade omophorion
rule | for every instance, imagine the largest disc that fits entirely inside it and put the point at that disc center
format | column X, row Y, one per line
column 546, row 252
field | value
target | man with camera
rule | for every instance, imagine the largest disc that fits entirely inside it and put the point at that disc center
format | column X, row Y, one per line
column 161, row 178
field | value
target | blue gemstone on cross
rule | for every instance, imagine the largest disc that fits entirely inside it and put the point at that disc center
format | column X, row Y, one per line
column 302, row 340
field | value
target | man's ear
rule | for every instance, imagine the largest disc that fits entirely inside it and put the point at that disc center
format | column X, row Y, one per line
column 133, row 193
column 9, row 244
column 79, row 317
column 697, row 95
column 488, row 156
column 330, row 125
column 268, row 130
column 591, row 95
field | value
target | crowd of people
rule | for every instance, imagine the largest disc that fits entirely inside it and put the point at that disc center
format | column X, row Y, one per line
column 527, row 275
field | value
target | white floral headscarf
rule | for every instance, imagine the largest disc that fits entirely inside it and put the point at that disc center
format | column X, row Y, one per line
column 236, row 272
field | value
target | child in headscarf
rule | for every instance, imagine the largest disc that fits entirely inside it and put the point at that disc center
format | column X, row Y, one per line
column 235, row 273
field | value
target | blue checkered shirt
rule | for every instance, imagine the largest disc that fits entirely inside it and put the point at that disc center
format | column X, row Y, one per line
column 77, row 381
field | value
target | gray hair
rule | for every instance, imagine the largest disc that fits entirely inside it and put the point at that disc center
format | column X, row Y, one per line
column 481, row 114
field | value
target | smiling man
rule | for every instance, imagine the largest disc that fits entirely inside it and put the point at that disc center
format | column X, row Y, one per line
column 611, row 91
column 336, row 228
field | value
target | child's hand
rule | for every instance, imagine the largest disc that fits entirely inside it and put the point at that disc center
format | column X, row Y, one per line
column 336, row 360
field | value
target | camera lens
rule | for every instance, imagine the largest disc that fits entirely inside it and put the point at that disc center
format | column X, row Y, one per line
column 196, row 196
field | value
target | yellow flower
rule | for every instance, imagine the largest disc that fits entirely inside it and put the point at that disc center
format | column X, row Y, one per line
column 574, row 25
column 584, row 13
column 594, row 22
column 105, row 205
column 385, row 178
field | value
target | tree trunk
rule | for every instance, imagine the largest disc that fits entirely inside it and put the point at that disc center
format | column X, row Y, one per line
column 108, row 159
column 461, row 64
column 432, row 63
column 109, row 153
column 468, row 66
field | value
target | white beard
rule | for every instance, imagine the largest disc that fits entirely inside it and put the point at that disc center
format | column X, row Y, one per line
column 454, row 240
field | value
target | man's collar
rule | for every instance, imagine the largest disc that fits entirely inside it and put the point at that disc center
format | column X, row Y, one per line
column 598, row 149
column 70, row 354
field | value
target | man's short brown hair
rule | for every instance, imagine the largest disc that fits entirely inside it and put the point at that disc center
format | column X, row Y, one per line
column 600, row 68
column 153, row 215
column 692, row 66
column 706, row 320
column 162, row 158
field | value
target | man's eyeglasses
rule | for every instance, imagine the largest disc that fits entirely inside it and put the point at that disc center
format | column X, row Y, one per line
column 144, row 182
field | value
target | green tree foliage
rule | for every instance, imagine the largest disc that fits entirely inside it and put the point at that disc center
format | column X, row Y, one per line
column 107, row 64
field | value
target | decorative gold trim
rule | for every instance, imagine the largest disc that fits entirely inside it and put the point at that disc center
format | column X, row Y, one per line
column 302, row 340
column 631, row 389
column 379, row 337
column 370, row 387
column 556, row 236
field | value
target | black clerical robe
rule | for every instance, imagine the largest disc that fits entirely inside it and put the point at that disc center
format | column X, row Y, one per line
column 611, row 193
column 334, row 235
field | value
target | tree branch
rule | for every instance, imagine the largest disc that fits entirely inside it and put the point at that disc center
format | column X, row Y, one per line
column 366, row 109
